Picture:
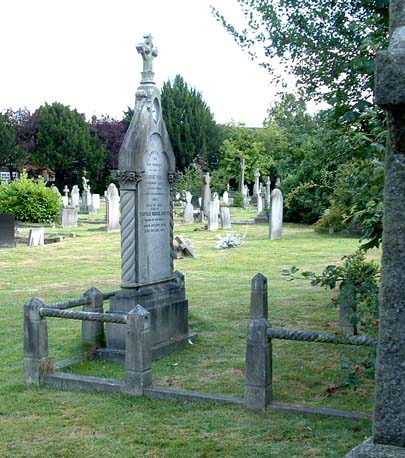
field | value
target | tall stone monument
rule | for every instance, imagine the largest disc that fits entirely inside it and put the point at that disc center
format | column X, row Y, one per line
column 388, row 438
column 146, row 177
column 242, row 167
column 206, row 193
column 268, row 192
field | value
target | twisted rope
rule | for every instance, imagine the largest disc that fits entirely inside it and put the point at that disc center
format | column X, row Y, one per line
column 78, row 302
column 128, row 237
column 322, row 337
column 86, row 316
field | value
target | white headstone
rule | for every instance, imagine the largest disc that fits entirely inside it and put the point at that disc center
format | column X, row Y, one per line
column 188, row 196
column 36, row 236
column 68, row 217
column 212, row 216
column 75, row 196
column 96, row 201
column 112, row 199
column 188, row 213
column 55, row 190
column 276, row 214
column 225, row 197
column 225, row 218
column 259, row 204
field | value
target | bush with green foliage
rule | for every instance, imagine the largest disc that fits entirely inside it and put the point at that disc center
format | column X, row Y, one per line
column 238, row 200
column 189, row 180
column 30, row 201
column 306, row 202
column 357, row 281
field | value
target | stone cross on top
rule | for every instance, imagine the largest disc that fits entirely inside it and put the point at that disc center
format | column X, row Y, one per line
column 148, row 53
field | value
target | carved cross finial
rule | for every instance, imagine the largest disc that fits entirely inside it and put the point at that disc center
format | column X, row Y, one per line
column 148, row 53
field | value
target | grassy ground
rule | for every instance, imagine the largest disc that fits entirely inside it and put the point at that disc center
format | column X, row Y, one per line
column 46, row 423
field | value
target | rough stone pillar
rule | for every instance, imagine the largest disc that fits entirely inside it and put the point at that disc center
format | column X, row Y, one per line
column 93, row 331
column 35, row 343
column 138, row 355
column 242, row 167
column 258, row 297
column 389, row 408
column 258, row 381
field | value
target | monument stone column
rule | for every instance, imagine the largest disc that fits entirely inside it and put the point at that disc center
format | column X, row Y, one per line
column 206, row 194
column 256, row 186
column 242, row 166
column 388, row 438
column 146, row 175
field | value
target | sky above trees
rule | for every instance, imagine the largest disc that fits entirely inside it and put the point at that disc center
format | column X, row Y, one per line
column 82, row 54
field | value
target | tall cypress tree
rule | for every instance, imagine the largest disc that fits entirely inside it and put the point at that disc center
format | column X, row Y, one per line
column 191, row 126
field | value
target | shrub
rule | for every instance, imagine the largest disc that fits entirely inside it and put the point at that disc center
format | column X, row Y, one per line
column 357, row 283
column 30, row 201
column 238, row 200
column 189, row 180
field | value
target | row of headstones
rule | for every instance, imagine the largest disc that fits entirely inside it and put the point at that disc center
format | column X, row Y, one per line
column 213, row 211
column 68, row 218
column 89, row 204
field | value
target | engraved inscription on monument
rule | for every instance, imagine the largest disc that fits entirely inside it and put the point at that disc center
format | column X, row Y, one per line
column 154, row 212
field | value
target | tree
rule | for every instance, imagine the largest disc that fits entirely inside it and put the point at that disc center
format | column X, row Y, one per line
column 67, row 143
column 245, row 143
column 111, row 133
column 329, row 45
column 10, row 155
column 190, row 124
column 26, row 125
column 288, row 133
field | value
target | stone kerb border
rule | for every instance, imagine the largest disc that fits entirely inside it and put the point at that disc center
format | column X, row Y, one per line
column 138, row 362
column 138, row 356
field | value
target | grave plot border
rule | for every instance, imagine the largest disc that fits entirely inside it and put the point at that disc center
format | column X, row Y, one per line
column 138, row 357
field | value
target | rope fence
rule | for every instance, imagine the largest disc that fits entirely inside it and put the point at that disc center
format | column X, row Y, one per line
column 62, row 305
column 84, row 316
column 321, row 337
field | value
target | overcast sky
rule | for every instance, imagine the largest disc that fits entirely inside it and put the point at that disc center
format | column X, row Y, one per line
column 82, row 53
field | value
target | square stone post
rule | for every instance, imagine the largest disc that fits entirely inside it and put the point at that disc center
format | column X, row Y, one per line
column 258, row 381
column 35, row 343
column 388, row 439
column 258, row 297
column 93, row 331
column 138, row 354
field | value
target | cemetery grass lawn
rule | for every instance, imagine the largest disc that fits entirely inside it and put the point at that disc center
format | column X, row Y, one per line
column 40, row 422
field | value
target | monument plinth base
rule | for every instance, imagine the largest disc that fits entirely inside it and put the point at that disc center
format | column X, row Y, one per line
column 168, row 307
column 370, row 450
column 262, row 218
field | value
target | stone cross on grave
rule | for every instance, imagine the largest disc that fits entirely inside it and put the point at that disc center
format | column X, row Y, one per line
column 148, row 53
column 388, row 438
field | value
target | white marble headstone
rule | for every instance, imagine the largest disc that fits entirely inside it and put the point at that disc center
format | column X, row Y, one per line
column 36, row 236
column 112, row 208
column 276, row 214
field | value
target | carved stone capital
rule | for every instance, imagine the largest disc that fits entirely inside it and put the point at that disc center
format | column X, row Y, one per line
column 128, row 179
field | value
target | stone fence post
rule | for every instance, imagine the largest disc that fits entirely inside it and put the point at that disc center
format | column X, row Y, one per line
column 35, row 343
column 138, row 352
column 258, row 381
column 93, row 331
column 258, row 297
